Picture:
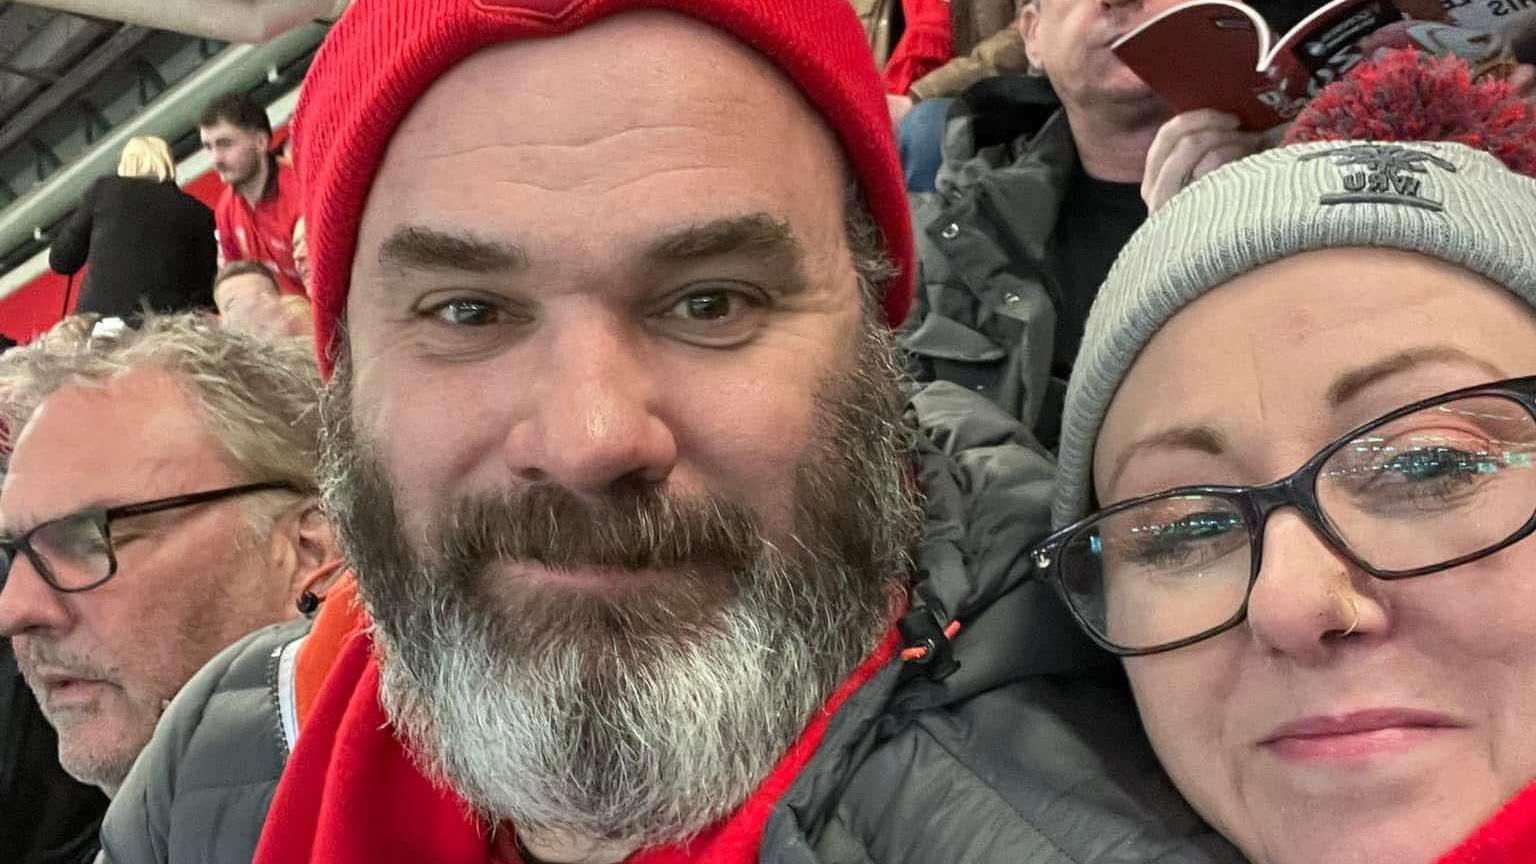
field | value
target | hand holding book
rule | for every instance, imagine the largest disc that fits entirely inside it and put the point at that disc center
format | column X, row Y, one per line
column 1190, row 146
column 1221, row 54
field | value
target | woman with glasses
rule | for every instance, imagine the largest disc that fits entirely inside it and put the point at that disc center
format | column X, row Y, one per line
column 1297, row 487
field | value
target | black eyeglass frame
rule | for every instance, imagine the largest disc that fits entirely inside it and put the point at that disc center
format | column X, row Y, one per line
column 103, row 516
column 1298, row 490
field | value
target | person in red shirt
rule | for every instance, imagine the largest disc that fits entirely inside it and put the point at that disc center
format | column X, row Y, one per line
column 262, row 208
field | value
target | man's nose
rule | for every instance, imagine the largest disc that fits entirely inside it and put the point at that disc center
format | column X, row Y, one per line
column 27, row 603
column 593, row 418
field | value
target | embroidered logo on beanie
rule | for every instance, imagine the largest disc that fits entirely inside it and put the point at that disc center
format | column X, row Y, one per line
column 1382, row 174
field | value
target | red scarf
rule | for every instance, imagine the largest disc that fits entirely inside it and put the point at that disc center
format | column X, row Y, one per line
column 1508, row 838
column 351, row 795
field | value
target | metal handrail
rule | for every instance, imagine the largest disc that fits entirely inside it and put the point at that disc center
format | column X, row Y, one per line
column 238, row 67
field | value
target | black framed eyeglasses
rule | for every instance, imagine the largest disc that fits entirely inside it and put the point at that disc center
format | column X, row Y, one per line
column 1430, row 486
column 74, row 553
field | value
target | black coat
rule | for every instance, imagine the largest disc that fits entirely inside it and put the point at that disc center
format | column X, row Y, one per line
column 146, row 242
column 46, row 817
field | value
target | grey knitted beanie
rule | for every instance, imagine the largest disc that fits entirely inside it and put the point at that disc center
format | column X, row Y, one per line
column 1444, row 200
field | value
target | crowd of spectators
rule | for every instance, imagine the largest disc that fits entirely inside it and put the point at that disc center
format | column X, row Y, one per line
column 151, row 247
column 691, row 441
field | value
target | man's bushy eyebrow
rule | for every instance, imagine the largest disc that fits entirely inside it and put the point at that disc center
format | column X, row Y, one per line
column 418, row 247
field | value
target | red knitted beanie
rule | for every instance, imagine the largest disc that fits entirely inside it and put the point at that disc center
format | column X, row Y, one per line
column 384, row 54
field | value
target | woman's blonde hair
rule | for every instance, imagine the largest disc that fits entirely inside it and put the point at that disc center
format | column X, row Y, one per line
column 147, row 156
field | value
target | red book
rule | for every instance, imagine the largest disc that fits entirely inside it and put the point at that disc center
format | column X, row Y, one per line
column 1222, row 54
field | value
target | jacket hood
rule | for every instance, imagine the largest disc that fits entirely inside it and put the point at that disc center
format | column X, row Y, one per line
column 987, row 485
column 988, row 124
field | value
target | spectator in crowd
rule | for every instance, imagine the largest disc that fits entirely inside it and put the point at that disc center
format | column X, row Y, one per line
column 947, row 34
column 250, row 301
column 881, row 24
column 148, row 243
column 159, row 504
column 301, row 251
column 1042, row 185
column 50, row 817
column 946, row 47
column 617, row 449
column 262, row 206
column 1332, row 647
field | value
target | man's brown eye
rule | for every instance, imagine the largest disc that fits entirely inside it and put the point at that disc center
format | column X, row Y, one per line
column 714, row 317
column 467, row 313
column 706, row 307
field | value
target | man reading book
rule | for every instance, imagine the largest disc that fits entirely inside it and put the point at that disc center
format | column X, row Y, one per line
column 1043, row 183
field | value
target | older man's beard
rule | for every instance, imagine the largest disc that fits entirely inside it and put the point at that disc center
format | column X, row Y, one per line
column 89, row 762
column 640, row 716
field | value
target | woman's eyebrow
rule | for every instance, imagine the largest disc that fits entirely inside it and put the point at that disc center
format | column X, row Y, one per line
column 1202, row 438
column 1352, row 383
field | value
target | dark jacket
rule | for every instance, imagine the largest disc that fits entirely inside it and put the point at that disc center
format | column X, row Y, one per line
column 145, row 241
column 46, row 816
column 1017, row 742
column 984, row 316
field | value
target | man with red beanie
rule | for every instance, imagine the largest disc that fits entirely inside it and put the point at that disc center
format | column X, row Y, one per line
column 654, row 559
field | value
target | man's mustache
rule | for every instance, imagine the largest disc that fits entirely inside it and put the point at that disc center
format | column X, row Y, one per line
column 39, row 658
column 635, row 528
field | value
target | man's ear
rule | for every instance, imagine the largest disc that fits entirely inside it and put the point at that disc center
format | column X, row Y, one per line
column 303, row 541
column 221, row 297
column 1029, row 28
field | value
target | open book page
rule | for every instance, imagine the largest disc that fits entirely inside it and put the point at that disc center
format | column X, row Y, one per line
column 1218, row 54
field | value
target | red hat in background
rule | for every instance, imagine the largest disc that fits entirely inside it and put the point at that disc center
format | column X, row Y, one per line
column 384, row 54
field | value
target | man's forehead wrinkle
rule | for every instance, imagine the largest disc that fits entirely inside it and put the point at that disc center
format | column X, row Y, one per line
column 593, row 184
column 622, row 136
column 601, row 134
column 560, row 168
column 526, row 154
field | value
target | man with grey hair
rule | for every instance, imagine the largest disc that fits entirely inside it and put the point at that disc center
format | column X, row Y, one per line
column 159, row 504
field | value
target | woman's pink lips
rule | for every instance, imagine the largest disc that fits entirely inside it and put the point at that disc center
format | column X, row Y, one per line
column 1358, row 735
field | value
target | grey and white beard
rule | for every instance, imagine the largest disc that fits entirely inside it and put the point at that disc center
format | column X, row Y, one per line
column 643, row 719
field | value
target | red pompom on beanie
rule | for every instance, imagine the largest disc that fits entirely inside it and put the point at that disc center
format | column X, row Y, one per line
column 1406, row 95
column 384, row 54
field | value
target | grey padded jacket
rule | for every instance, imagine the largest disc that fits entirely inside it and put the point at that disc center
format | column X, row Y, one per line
column 1016, row 744
column 984, row 315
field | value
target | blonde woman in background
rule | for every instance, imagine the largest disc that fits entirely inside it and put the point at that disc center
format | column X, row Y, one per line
column 148, row 243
